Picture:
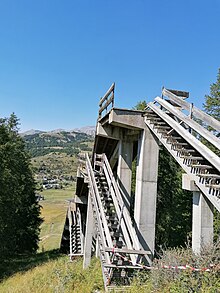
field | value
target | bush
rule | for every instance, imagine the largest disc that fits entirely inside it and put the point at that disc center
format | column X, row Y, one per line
column 173, row 280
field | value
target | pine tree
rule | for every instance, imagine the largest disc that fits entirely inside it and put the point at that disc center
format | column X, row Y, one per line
column 141, row 105
column 212, row 101
column 174, row 205
column 19, row 212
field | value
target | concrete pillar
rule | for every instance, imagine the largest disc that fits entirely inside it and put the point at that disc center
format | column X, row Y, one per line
column 202, row 216
column 89, row 234
column 202, row 222
column 146, row 189
column 124, row 171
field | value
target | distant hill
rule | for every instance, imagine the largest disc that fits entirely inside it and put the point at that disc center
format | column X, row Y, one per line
column 30, row 132
column 90, row 130
column 40, row 143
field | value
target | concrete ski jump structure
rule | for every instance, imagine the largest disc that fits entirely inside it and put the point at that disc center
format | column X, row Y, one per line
column 99, row 219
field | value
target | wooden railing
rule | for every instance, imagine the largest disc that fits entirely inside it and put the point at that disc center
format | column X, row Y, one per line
column 215, row 124
column 169, row 124
column 107, row 100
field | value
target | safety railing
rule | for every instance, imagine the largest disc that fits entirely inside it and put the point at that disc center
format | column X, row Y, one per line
column 182, row 135
column 107, row 100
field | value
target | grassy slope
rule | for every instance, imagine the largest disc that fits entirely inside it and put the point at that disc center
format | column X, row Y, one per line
column 53, row 211
column 58, row 275
column 49, row 271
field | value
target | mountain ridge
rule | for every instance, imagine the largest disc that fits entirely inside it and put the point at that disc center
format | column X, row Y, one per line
column 89, row 130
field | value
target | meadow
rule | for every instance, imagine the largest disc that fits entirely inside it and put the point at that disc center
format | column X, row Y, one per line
column 53, row 212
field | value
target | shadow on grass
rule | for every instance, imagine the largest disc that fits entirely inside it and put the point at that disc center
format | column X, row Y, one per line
column 23, row 263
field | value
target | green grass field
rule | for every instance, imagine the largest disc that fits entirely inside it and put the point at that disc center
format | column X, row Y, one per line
column 53, row 212
column 53, row 273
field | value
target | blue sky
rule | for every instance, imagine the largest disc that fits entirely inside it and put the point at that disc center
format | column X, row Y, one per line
column 57, row 58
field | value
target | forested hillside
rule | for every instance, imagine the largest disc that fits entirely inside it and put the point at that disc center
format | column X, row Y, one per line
column 39, row 144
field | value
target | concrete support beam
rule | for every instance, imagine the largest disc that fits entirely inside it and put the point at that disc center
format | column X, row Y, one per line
column 202, row 216
column 188, row 183
column 131, row 119
column 124, row 171
column 115, row 132
column 202, row 222
column 89, row 234
column 146, row 189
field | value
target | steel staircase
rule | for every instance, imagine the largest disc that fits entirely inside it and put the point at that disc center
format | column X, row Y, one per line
column 72, row 238
column 119, row 248
column 183, row 137
column 76, row 243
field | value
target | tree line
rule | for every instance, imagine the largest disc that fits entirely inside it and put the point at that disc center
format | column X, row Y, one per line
column 19, row 212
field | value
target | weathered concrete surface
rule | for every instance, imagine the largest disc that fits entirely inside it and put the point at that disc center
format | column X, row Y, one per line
column 124, row 170
column 115, row 132
column 89, row 234
column 188, row 184
column 127, row 118
column 202, row 222
column 146, row 189
column 202, row 216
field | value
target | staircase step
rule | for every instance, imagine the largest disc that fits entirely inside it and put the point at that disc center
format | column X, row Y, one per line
column 161, row 127
column 153, row 118
column 160, row 123
column 113, row 226
column 161, row 131
column 115, row 234
column 215, row 186
column 111, row 218
column 187, row 151
column 215, row 176
column 201, row 166
column 119, row 244
column 180, row 143
column 193, row 158
column 175, row 137
column 108, row 204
